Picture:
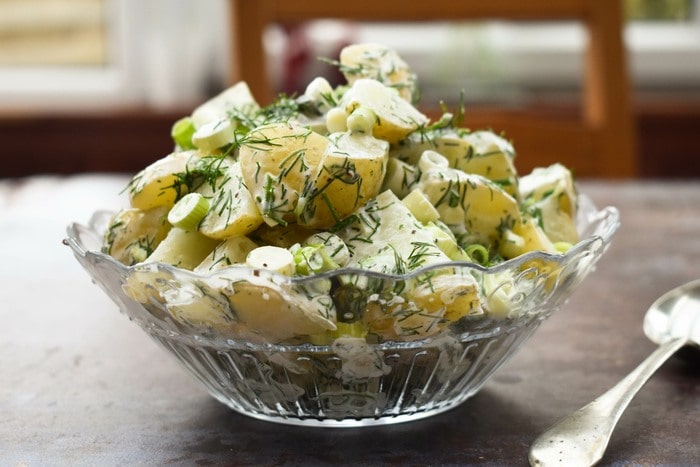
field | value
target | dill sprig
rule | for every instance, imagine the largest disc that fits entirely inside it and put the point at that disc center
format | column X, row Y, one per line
column 271, row 208
column 419, row 253
column 346, row 173
column 284, row 109
column 207, row 171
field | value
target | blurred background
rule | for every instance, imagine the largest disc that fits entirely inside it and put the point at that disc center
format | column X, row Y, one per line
column 94, row 85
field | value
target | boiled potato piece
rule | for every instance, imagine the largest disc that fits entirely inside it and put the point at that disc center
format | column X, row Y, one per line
column 409, row 321
column 549, row 195
column 133, row 234
column 183, row 248
column 446, row 241
column 218, row 107
column 334, row 247
column 276, row 162
column 162, row 182
column 232, row 210
column 525, row 236
column 555, row 180
column 381, row 63
column 230, row 252
column 555, row 221
column 453, row 295
column 384, row 236
column 189, row 301
column 425, row 309
column 146, row 282
column 480, row 152
column 198, row 304
column 400, row 178
column 469, row 202
column 493, row 157
column 278, row 312
column 349, row 174
column 396, row 118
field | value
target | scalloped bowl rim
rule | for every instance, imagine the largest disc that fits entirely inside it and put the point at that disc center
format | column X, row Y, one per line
column 561, row 258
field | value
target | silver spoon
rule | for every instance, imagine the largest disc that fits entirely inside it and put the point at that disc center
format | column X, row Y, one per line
column 581, row 438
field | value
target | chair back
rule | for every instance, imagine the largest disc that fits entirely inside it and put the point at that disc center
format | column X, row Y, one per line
column 599, row 142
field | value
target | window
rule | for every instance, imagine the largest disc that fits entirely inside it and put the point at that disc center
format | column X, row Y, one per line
column 87, row 54
column 106, row 54
column 44, row 32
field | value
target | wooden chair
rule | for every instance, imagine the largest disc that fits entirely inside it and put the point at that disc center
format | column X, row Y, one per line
column 600, row 143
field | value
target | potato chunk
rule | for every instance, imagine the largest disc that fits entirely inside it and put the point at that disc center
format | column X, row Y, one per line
column 549, row 195
column 469, row 202
column 133, row 234
column 236, row 97
column 396, row 118
column 232, row 210
column 278, row 311
column 481, row 152
column 161, row 183
column 349, row 174
column 381, row 63
column 276, row 162
column 384, row 236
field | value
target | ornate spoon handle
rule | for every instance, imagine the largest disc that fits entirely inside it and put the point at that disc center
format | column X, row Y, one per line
column 581, row 438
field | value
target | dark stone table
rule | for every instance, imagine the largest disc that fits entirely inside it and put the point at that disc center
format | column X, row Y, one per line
column 81, row 385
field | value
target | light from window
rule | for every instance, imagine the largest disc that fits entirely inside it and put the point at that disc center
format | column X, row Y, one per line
column 52, row 32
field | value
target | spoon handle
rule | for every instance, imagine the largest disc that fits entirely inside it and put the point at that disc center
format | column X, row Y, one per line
column 581, row 438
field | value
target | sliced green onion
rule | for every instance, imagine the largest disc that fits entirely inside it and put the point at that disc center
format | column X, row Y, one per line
column 189, row 211
column 478, row 253
column 213, row 135
column 273, row 258
column 312, row 259
column 362, row 120
column 182, row 132
column 308, row 260
column 432, row 160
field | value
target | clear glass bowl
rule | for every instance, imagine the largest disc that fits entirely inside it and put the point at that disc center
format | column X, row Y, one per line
column 348, row 381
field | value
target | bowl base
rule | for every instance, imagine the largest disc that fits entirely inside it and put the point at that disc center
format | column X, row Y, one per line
column 349, row 422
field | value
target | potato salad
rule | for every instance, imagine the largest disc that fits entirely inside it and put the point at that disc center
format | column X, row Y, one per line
column 257, row 201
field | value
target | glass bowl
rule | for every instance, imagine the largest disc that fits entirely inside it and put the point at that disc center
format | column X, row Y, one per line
column 348, row 381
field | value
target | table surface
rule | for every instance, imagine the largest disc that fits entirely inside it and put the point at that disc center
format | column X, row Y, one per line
column 83, row 385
